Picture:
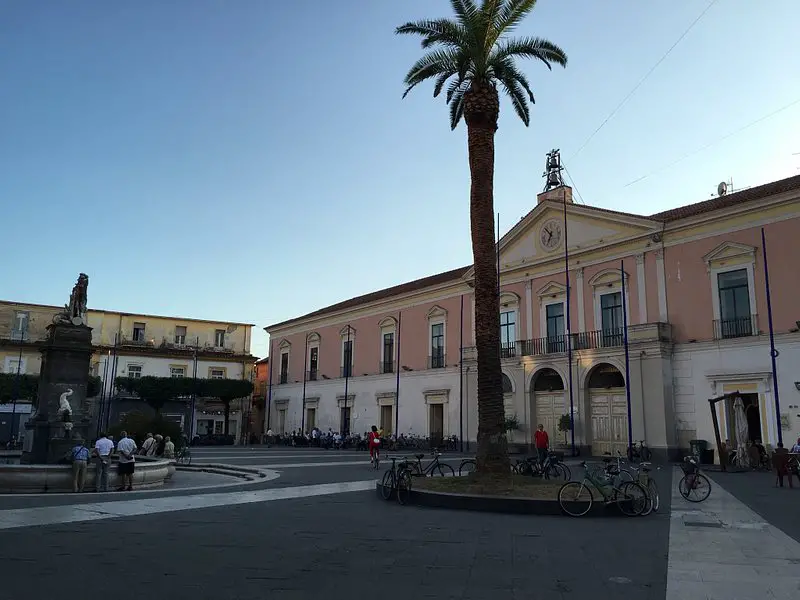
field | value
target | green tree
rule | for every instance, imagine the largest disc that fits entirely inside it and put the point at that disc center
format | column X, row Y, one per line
column 156, row 391
column 227, row 390
column 27, row 387
column 475, row 55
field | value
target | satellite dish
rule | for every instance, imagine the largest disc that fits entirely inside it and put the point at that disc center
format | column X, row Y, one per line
column 722, row 188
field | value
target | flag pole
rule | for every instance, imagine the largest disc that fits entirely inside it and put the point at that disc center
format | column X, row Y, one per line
column 348, row 367
column 773, row 353
column 397, row 381
column 461, row 378
column 303, row 410
column 269, row 384
column 569, row 330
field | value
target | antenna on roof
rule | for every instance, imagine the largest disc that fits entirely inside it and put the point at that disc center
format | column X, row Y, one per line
column 553, row 170
column 724, row 187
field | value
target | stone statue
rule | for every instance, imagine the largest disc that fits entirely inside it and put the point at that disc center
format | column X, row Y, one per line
column 64, row 409
column 75, row 311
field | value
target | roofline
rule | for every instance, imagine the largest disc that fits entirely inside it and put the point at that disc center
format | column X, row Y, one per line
column 673, row 215
column 130, row 314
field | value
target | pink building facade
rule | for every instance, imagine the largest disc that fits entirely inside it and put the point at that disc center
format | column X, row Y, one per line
column 694, row 301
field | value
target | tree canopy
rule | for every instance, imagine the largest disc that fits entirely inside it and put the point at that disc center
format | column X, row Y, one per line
column 27, row 387
column 474, row 49
column 157, row 391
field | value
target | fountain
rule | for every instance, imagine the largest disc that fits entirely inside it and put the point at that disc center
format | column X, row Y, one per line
column 60, row 415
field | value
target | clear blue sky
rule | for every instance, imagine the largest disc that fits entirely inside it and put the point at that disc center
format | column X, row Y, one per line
column 253, row 160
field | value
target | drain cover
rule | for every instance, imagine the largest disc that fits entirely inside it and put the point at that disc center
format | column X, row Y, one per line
column 716, row 524
column 619, row 580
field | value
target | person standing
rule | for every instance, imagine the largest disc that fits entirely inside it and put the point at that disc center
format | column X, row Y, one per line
column 374, row 442
column 102, row 451
column 80, row 460
column 148, row 443
column 542, row 443
column 127, row 461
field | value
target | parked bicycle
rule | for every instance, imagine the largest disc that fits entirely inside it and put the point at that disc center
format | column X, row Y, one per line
column 467, row 466
column 644, row 479
column 576, row 497
column 435, row 467
column 551, row 468
column 184, row 456
column 615, row 467
column 639, row 451
column 693, row 486
column 397, row 479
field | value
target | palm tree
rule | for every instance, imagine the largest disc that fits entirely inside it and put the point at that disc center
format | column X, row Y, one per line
column 475, row 55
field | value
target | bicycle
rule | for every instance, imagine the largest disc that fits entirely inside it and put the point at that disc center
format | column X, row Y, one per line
column 693, row 480
column 467, row 466
column 184, row 456
column 617, row 470
column 648, row 483
column 630, row 497
column 376, row 459
column 639, row 451
column 416, row 469
column 398, row 480
column 551, row 468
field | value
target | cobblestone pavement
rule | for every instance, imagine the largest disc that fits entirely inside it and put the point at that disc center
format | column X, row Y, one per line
column 348, row 543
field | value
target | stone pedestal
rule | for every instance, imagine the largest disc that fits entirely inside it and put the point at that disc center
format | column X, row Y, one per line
column 66, row 356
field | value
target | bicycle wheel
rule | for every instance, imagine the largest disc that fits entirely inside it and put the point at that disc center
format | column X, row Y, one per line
column 652, row 490
column 645, row 454
column 466, row 467
column 403, row 487
column 695, row 487
column 377, row 462
column 575, row 499
column 626, row 476
column 567, row 474
column 388, row 484
column 444, row 470
column 555, row 471
column 631, row 499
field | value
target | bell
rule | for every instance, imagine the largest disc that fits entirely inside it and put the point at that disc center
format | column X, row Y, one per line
column 553, row 180
column 552, row 162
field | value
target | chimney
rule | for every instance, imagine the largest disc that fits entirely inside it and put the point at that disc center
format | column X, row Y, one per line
column 559, row 194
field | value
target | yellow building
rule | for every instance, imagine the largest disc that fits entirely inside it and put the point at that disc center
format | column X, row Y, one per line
column 136, row 345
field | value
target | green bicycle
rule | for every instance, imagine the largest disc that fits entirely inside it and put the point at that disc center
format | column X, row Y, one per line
column 576, row 497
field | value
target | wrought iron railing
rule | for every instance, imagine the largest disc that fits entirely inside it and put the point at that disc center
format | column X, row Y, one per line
column 437, row 360
column 386, row 366
column 312, row 375
column 736, row 328
column 346, row 371
column 284, row 378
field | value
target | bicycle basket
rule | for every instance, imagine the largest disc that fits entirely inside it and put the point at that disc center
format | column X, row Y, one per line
column 689, row 467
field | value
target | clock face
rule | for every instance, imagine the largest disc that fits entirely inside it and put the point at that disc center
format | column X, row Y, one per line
column 550, row 236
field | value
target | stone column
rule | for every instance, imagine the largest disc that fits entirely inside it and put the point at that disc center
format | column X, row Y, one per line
column 66, row 355
column 640, row 285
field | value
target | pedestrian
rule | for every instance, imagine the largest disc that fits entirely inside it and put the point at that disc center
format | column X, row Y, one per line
column 148, row 443
column 80, row 460
column 542, row 442
column 102, row 452
column 159, row 445
column 169, row 448
column 127, row 461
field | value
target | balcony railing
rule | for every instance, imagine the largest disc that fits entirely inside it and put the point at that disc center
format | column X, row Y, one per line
column 736, row 328
column 312, row 375
column 508, row 350
column 386, row 366
column 437, row 361
column 284, row 378
column 346, row 371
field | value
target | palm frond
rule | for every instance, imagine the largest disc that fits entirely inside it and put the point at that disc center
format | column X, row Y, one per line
column 512, row 14
column 435, row 31
column 457, row 106
column 430, row 65
column 538, row 48
column 507, row 68
column 516, row 86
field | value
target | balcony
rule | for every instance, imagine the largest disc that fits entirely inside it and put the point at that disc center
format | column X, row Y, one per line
column 735, row 328
column 284, row 378
column 346, row 371
column 508, row 350
column 386, row 366
column 138, row 341
column 437, row 360
column 312, row 375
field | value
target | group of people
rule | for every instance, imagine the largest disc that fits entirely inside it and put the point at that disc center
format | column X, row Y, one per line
column 104, row 448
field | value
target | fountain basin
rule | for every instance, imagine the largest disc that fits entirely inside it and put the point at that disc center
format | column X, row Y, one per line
column 32, row 479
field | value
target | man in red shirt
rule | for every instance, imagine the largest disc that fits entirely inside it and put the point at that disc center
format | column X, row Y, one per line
column 542, row 442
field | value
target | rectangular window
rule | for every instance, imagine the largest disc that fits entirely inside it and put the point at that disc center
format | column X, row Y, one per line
column 344, row 413
column 177, row 371
column 282, row 420
column 313, row 363
column 508, row 333
column 284, row 367
column 387, row 365
column 180, row 335
column 216, row 373
column 611, row 319
column 20, row 326
column 311, row 418
column 219, row 427
column 554, row 320
column 14, row 365
column 437, row 346
column 347, row 358
column 135, row 371
column 138, row 332
column 219, row 338
column 735, row 318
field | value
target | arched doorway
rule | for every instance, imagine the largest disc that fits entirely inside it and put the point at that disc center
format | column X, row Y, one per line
column 547, row 391
column 508, row 395
column 608, row 408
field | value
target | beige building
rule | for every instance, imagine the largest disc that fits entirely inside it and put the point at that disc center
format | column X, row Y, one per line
column 136, row 345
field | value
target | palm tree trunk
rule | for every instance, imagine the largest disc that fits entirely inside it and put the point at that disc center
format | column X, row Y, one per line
column 480, row 113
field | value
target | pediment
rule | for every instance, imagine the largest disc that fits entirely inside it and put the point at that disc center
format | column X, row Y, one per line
column 285, row 344
column 509, row 298
column 387, row 322
column 313, row 337
column 587, row 228
column 730, row 250
column 552, row 288
column 607, row 277
column 437, row 311
column 346, row 331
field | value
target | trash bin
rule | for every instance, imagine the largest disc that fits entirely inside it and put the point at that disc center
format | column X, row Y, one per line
column 707, row 457
column 698, row 447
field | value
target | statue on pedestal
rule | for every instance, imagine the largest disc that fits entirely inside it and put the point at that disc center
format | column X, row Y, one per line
column 75, row 311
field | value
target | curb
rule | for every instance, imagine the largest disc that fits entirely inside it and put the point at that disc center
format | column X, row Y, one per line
column 495, row 504
column 220, row 469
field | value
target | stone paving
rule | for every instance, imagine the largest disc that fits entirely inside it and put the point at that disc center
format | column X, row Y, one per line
column 347, row 543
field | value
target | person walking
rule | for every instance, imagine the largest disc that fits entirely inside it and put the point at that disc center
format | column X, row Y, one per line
column 542, row 442
column 80, row 460
column 102, row 452
column 127, row 461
